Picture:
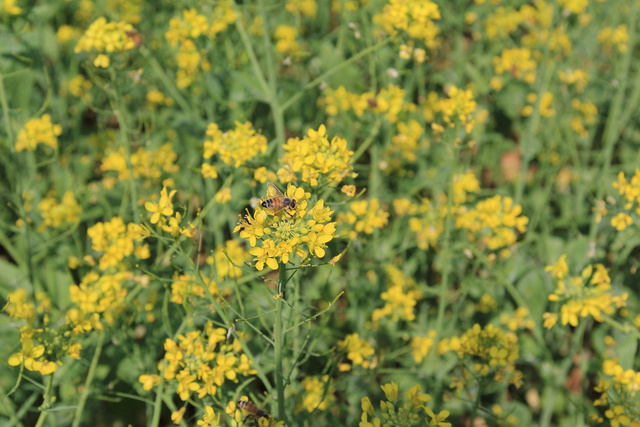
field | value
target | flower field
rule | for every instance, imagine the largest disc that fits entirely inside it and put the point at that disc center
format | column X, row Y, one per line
column 319, row 213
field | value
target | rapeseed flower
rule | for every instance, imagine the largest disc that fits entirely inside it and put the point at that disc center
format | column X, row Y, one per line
column 618, row 390
column 44, row 348
column 317, row 395
column 588, row 294
column 487, row 352
column 115, row 241
column 400, row 297
column 363, row 217
column 401, row 411
column 102, row 38
column 275, row 237
column 358, row 351
column 149, row 165
column 518, row 62
column 56, row 214
column 286, row 43
column 200, row 362
column 304, row 7
column 38, row 131
column 411, row 18
column 317, row 160
column 234, row 147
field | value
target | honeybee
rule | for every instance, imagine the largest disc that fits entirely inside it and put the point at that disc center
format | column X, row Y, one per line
column 252, row 409
column 276, row 201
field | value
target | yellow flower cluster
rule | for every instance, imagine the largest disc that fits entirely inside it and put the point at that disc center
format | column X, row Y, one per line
column 420, row 346
column 193, row 24
column 187, row 288
column 407, row 141
column 518, row 62
column 359, row 352
column 458, row 108
column 304, row 7
column 390, row 102
column 545, row 106
column 577, row 77
column 487, row 351
column 587, row 114
column 38, row 131
column 288, row 231
column 412, row 411
column 629, row 190
column 79, row 86
column 235, row 147
column 163, row 214
column 493, row 223
column 317, row 160
column 615, row 37
column 286, row 43
column 518, row 320
column 56, row 214
column 400, row 297
column 148, row 165
column 95, row 296
column 619, row 394
column 363, row 217
column 43, row 349
column 412, row 18
column 105, row 37
column 317, row 394
column 200, row 362
column 117, row 241
column 156, row 98
column 582, row 296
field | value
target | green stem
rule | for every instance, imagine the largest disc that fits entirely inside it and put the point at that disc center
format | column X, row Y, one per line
column 476, row 404
column 87, row 384
column 613, row 126
column 157, row 405
column 5, row 114
column 446, row 248
column 278, row 346
column 44, row 409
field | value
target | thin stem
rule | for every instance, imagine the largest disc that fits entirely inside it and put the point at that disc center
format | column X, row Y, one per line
column 446, row 248
column 44, row 409
column 157, row 405
column 5, row 113
column 278, row 346
column 87, row 384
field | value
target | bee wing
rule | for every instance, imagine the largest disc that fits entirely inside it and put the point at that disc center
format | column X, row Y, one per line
column 273, row 191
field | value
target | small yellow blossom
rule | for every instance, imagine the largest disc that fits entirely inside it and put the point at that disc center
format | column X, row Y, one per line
column 38, row 131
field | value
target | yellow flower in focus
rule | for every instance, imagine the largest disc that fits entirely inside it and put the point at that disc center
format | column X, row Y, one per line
column 317, row 159
column 164, row 206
